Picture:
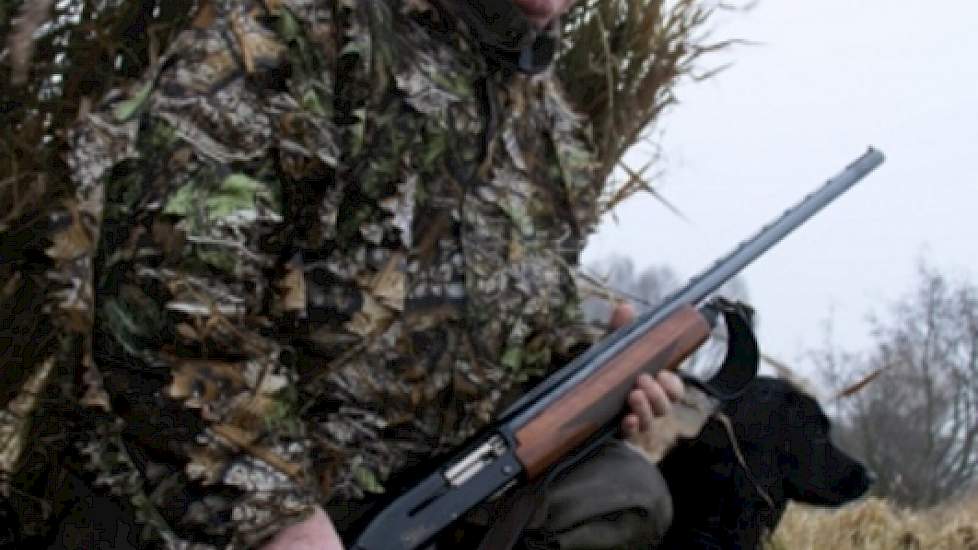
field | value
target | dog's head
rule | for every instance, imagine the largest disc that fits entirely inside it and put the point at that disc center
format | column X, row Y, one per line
column 783, row 439
column 775, row 419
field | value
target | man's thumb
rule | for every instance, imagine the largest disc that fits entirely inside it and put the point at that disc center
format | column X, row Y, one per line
column 623, row 314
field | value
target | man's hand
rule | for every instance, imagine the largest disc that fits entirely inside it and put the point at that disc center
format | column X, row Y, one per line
column 314, row 533
column 652, row 397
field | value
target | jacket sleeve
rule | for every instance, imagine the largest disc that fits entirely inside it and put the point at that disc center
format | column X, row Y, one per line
column 193, row 188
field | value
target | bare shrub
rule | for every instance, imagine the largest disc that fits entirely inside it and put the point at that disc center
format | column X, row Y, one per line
column 916, row 424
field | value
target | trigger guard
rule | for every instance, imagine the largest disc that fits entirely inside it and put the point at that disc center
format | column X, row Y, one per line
column 742, row 359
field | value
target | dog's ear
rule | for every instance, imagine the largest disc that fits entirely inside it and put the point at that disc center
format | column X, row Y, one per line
column 759, row 415
column 805, row 415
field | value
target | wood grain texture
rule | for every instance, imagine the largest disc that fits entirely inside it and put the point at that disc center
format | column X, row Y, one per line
column 599, row 399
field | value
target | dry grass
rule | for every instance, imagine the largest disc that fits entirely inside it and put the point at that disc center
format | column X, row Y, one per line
column 622, row 62
column 876, row 524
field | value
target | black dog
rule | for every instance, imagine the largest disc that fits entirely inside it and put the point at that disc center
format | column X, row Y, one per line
column 721, row 502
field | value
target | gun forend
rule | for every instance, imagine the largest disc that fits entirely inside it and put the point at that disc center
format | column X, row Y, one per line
column 581, row 412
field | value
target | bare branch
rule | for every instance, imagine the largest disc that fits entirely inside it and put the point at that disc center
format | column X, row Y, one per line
column 917, row 423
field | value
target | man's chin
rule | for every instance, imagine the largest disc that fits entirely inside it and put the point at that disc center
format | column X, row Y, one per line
column 540, row 12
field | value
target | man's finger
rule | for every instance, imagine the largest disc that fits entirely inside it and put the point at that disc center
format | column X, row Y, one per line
column 672, row 384
column 638, row 402
column 630, row 425
column 658, row 401
column 622, row 315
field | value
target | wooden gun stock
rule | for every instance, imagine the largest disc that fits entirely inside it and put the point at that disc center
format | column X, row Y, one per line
column 589, row 406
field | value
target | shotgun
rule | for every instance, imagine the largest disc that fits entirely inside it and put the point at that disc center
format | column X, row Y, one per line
column 580, row 404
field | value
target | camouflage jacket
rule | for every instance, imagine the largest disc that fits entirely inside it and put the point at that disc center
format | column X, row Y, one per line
column 317, row 243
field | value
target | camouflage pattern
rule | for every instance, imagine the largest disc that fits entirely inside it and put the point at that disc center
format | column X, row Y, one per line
column 318, row 243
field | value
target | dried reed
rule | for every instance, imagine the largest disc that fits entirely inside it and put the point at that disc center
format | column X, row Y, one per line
column 876, row 524
column 622, row 60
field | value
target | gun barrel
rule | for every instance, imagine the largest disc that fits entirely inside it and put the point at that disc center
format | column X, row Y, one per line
column 695, row 291
column 708, row 282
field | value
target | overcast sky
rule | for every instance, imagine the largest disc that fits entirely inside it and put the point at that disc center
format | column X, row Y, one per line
column 829, row 79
